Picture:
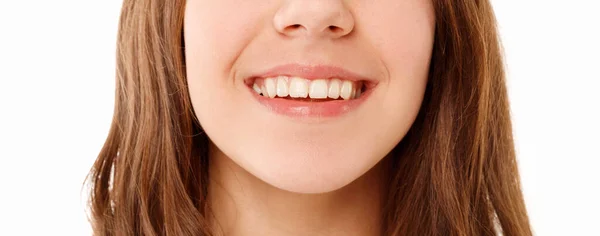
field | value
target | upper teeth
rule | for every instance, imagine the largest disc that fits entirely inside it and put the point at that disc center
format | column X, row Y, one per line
column 296, row 87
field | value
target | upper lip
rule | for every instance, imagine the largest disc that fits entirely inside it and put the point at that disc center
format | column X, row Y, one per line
column 310, row 72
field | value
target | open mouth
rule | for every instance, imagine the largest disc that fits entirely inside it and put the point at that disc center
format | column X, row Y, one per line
column 301, row 89
column 307, row 92
column 302, row 98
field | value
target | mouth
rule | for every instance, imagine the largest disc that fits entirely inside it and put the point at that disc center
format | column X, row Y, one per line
column 301, row 89
column 316, row 91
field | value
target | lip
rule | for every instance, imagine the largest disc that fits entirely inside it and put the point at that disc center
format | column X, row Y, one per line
column 308, row 109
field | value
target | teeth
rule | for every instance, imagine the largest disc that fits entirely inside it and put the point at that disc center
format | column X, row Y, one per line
column 270, row 85
column 318, row 89
column 256, row 88
column 282, row 87
column 334, row 88
column 346, row 90
column 264, row 90
column 298, row 87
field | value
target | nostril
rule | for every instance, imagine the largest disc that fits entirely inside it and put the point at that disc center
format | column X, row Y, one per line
column 292, row 28
column 335, row 29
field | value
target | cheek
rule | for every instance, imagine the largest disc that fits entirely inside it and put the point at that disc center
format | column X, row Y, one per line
column 215, row 33
column 403, row 34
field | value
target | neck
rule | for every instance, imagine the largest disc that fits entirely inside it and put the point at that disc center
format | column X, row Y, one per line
column 245, row 205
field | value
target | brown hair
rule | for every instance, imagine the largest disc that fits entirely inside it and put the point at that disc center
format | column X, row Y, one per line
column 454, row 173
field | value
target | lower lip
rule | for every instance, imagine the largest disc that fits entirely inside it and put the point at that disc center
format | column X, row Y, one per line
column 300, row 109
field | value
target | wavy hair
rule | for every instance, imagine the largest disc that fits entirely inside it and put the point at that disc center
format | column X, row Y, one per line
column 454, row 173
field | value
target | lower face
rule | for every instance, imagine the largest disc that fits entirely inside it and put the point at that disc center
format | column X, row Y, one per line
column 302, row 106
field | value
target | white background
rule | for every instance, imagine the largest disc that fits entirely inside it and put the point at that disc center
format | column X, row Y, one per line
column 57, row 88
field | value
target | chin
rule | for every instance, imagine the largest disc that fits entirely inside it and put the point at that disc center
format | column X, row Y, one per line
column 309, row 168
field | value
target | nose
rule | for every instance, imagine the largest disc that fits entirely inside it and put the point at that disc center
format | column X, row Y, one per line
column 314, row 18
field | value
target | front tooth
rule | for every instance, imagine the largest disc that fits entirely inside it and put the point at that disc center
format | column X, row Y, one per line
column 270, row 85
column 298, row 87
column 353, row 94
column 318, row 89
column 282, row 86
column 346, row 91
column 256, row 88
column 334, row 88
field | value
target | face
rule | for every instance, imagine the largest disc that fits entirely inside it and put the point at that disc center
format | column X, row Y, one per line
column 307, row 95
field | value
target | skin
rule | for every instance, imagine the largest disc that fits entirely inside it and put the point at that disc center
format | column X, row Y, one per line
column 273, row 175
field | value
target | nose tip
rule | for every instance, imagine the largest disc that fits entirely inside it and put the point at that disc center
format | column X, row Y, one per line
column 314, row 18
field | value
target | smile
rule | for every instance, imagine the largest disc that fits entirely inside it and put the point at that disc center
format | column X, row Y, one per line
column 310, row 91
column 316, row 90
